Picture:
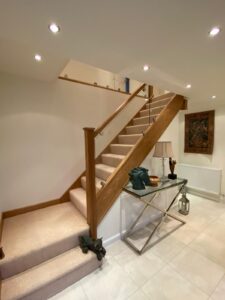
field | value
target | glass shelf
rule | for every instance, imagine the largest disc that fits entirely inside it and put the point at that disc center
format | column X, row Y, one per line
column 153, row 189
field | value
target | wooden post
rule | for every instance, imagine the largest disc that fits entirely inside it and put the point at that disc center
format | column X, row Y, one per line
column 89, row 134
column 150, row 95
column 2, row 255
column 150, row 91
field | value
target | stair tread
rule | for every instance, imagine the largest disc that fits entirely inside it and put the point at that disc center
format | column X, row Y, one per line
column 137, row 125
column 163, row 97
column 49, row 226
column 119, row 156
column 131, row 135
column 138, row 118
column 153, row 108
column 47, row 273
column 123, row 145
column 105, row 167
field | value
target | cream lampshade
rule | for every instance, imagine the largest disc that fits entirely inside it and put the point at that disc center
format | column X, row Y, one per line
column 163, row 150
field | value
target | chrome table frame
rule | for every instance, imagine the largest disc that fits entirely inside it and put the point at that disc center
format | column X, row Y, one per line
column 155, row 192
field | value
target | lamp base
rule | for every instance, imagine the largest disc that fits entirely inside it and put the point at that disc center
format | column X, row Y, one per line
column 172, row 176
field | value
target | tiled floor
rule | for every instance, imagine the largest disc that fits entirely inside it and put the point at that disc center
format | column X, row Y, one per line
column 189, row 264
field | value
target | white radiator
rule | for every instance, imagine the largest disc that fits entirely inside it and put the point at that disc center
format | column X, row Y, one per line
column 204, row 181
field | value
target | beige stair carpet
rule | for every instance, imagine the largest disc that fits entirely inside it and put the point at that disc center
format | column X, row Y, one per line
column 50, row 277
column 32, row 238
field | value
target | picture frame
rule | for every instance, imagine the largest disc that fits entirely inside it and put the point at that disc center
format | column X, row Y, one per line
column 199, row 132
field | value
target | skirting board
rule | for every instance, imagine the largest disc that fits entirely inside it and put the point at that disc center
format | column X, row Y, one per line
column 204, row 194
column 23, row 210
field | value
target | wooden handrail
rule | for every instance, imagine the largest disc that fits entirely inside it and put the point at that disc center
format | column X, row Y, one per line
column 119, row 109
column 96, row 86
column 90, row 181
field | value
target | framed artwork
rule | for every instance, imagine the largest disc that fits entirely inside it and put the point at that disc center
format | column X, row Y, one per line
column 199, row 132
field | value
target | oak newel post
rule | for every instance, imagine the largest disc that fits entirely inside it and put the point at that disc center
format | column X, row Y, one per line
column 89, row 134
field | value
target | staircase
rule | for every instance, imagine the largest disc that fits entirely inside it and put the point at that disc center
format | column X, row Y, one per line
column 117, row 151
column 97, row 189
column 44, row 258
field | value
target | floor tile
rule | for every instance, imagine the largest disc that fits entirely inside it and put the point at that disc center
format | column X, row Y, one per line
column 198, row 269
column 184, row 233
column 167, row 248
column 139, row 295
column 116, row 248
column 216, row 230
column 73, row 292
column 211, row 247
column 219, row 293
column 126, row 256
column 169, row 285
column 109, row 284
column 142, row 268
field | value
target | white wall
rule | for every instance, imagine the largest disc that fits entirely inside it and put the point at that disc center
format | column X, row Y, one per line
column 42, row 145
column 217, row 159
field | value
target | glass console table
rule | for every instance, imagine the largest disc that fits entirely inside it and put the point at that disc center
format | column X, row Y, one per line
column 147, row 196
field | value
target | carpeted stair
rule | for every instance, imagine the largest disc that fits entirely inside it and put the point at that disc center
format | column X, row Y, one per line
column 118, row 150
column 42, row 255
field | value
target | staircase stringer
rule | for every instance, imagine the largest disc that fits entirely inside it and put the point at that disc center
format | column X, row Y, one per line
column 110, row 192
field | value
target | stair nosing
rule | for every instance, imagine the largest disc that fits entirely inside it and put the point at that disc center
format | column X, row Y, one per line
column 152, row 108
column 155, row 115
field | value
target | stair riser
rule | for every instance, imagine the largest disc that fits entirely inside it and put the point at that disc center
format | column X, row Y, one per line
column 134, row 130
column 158, row 103
column 103, row 174
column 62, row 283
column 111, row 161
column 83, row 183
column 132, row 140
column 16, row 289
column 119, row 149
column 144, row 120
column 153, row 111
column 21, row 264
column 80, row 205
column 163, row 96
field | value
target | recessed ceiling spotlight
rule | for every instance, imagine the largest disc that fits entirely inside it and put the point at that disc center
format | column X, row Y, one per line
column 146, row 68
column 214, row 31
column 213, row 97
column 188, row 86
column 54, row 28
column 37, row 57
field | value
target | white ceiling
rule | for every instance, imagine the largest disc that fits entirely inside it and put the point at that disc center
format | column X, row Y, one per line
column 120, row 36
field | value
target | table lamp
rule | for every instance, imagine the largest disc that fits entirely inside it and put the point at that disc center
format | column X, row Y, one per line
column 163, row 150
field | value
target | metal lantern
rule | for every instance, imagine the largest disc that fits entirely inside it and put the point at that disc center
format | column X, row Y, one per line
column 184, row 204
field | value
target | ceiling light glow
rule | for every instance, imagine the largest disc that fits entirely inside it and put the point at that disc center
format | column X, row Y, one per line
column 54, row 28
column 214, row 31
column 213, row 97
column 37, row 57
column 146, row 68
column 188, row 86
